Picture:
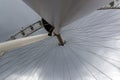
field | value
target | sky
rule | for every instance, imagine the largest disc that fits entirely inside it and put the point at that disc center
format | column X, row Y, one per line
column 14, row 14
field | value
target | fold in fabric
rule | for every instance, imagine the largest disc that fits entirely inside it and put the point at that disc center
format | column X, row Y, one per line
column 62, row 12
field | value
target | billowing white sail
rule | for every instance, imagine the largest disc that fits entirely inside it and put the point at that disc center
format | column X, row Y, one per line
column 62, row 12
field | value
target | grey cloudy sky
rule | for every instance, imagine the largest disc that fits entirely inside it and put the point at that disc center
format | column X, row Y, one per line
column 14, row 14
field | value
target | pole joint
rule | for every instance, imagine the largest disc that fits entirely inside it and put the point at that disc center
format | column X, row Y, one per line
column 61, row 41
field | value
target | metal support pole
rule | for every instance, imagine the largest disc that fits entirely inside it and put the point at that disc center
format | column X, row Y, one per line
column 61, row 42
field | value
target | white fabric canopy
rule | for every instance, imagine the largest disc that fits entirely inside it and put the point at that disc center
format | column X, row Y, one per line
column 62, row 12
column 91, row 52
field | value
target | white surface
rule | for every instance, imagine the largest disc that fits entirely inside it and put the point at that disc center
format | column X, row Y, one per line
column 62, row 12
column 13, row 44
column 91, row 52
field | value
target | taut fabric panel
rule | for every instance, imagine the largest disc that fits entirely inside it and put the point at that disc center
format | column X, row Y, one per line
column 62, row 12
column 91, row 52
